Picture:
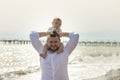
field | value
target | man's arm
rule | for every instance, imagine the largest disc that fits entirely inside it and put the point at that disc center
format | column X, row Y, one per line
column 72, row 43
column 34, row 37
column 43, row 34
column 64, row 34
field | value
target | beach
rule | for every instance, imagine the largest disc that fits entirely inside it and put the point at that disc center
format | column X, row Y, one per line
column 21, row 62
column 81, row 72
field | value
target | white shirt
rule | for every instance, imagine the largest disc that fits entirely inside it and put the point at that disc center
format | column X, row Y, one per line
column 54, row 66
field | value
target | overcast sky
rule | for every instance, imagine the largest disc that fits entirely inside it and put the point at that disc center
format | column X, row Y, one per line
column 93, row 19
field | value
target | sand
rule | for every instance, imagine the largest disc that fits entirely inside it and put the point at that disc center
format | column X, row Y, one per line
column 81, row 72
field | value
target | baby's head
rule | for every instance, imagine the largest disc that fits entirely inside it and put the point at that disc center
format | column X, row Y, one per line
column 56, row 23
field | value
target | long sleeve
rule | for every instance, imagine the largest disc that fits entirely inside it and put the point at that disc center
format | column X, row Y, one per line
column 34, row 37
column 72, row 43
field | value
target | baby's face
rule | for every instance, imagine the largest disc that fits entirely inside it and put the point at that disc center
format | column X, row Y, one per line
column 56, row 24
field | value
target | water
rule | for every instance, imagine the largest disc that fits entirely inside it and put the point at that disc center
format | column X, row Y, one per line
column 22, row 59
column 17, row 60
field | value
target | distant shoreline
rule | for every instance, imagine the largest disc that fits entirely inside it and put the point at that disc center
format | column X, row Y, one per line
column 82, row 43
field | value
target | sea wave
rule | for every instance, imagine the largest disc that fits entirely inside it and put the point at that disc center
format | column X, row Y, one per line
column 18, row 72
column 113, row 74
column 98, row 59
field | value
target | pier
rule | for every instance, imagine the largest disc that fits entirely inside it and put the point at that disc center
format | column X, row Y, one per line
column 15, row 41
column 81, row 43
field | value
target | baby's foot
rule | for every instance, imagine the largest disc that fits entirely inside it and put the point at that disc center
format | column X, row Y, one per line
column 43, row 55
column 60, row 51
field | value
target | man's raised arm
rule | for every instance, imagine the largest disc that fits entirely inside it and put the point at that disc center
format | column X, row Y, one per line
column 72, row 43
column 34, row 37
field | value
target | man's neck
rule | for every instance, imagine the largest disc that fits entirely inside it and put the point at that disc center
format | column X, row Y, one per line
column 51, row 51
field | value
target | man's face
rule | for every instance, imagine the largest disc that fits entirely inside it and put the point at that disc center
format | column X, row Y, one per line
column 53, row 43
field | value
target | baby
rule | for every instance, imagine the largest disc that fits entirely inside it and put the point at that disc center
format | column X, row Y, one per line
column 56, row 24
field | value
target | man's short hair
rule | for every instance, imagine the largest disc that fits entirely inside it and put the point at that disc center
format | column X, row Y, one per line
column 54, row 34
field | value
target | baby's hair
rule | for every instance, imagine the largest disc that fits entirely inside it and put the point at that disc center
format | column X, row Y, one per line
column 58, row 19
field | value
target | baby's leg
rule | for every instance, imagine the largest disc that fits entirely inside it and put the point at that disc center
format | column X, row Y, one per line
column 60, row 50
column 44, row 51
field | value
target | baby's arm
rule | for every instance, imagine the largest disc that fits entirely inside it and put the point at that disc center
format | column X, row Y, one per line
column 44, row 51
column 45, row 48
column 60, row 50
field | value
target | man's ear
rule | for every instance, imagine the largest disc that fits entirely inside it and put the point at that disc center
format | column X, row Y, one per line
column 60, row 40
column 48, row 38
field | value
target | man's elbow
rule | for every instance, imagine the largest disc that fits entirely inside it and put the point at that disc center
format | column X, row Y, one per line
column 76, row 36
column 34, row 35
column 30, row 35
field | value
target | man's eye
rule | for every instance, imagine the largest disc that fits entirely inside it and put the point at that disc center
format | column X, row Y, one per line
column 50, row 41
column 55, row 41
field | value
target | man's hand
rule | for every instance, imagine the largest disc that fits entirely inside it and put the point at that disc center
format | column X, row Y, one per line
column 64, row 34
column 61, row 34
column 54, row 29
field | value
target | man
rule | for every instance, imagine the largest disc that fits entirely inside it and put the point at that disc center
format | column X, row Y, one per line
column 54, row 66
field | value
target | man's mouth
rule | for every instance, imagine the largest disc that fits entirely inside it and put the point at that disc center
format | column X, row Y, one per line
column 53, row 48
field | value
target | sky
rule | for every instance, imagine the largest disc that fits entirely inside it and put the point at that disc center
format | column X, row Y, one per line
column 92, row 19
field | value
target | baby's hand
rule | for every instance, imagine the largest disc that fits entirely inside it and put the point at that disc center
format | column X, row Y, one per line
column 61, row 34
column 59, row 51
column 43, row 55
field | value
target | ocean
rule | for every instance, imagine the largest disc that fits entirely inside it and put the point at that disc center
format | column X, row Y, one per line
column 21, row 62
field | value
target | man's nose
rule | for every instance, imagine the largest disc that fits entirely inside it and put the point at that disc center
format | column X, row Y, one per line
column 53, row 44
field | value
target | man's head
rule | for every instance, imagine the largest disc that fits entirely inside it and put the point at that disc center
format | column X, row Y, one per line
column 56, row 23
column 53, row 41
